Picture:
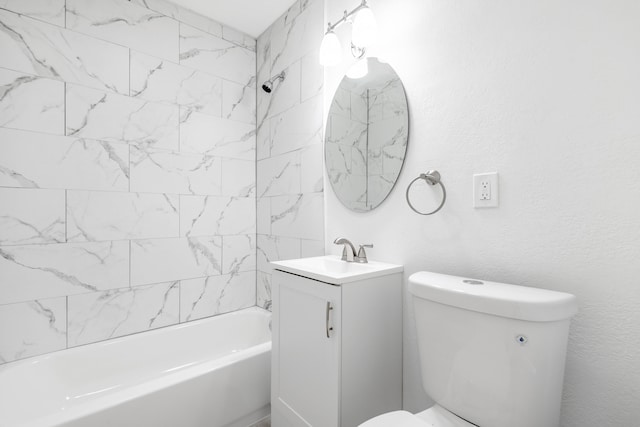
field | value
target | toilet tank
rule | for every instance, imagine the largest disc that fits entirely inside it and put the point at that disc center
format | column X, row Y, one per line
column 492, row 353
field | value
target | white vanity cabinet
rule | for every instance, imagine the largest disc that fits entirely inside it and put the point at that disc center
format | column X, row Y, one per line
column 337, row 342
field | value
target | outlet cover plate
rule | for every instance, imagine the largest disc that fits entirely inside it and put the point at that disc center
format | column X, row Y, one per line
column 485, row 190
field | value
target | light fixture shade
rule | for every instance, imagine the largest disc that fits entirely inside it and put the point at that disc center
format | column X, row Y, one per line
column 365, row 28
column 359, row 69
column 330, row 50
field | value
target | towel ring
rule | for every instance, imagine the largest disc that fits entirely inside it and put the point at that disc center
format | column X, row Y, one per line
column 432, row 178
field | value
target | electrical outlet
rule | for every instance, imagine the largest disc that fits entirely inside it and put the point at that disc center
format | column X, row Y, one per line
column 485, row 190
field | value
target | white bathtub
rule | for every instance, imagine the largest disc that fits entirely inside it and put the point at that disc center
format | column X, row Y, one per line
column 209, row 373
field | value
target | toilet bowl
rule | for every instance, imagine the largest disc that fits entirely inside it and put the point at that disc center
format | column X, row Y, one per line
column 491, row 354
column 436, row 416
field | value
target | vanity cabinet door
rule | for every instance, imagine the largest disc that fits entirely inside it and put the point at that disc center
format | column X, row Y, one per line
column 305, row 388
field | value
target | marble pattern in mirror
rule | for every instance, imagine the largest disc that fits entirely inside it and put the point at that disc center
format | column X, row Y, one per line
column 366, row 136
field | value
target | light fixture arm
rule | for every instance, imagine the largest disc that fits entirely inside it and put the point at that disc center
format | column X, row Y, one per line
column 364, row 27
column 346, row 16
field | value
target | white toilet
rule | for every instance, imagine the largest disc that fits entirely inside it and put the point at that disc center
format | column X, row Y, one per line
column 491, row 354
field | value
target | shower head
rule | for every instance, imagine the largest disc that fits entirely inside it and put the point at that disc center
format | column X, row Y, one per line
column 268, row 85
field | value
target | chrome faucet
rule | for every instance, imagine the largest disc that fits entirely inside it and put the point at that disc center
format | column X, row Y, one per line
column 360, row 257
column 345, row 242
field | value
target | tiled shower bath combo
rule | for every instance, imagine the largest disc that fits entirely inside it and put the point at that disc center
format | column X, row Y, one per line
column 331, row 213
column 128, row 196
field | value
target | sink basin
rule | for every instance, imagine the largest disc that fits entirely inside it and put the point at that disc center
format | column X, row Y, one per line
column 331, row 269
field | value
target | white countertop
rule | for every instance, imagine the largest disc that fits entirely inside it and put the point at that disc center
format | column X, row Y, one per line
column 331, row 269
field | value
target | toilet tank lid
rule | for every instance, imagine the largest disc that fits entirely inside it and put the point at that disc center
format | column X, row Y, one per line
column 500, row 299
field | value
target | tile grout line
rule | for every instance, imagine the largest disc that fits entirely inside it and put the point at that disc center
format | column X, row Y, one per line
column 255, row 171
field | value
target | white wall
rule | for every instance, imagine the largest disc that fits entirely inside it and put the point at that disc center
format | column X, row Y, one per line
column 547, row 93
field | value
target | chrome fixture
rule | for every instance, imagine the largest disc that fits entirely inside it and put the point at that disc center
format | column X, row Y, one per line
column 431, row 178
column 360, row 257
column 345, row 242
column 327, row 327
column 363, row 35
column 268, row 85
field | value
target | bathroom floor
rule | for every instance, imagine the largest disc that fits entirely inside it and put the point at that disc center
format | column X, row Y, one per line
column 265, row 422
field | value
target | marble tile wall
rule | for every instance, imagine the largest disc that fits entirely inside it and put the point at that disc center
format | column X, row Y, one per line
column 290, row 219
column 127, row 171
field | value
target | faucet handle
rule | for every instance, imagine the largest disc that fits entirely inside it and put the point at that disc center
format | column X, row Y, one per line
column 362, row 255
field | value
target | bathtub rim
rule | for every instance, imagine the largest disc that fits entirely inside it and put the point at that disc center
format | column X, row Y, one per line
column 125, row 393
column 38, row 358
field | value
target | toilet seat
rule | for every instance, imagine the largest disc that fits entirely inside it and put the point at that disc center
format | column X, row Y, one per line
column 436, row 416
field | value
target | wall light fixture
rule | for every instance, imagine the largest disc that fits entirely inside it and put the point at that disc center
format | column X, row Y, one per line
column 363, row 35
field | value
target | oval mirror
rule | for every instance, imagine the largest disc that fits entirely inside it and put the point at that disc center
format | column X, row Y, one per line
column 366, row 135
